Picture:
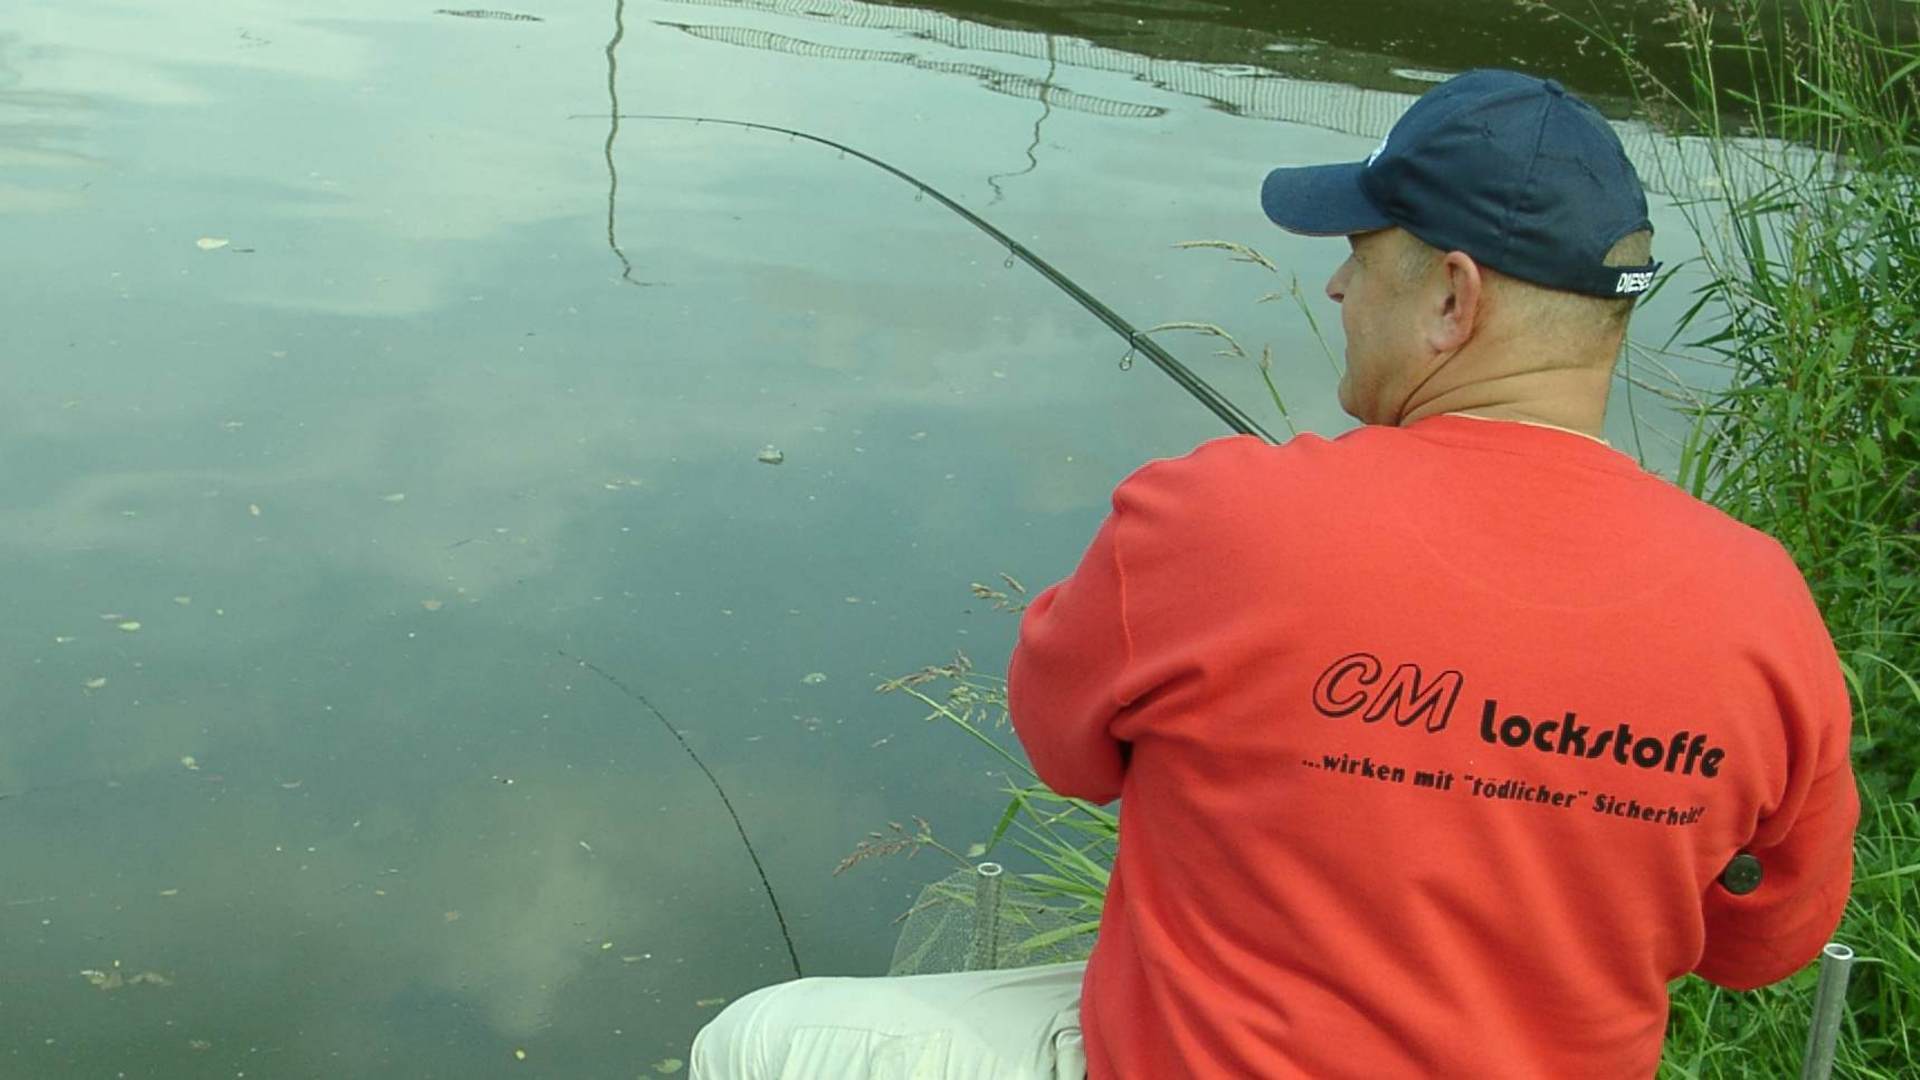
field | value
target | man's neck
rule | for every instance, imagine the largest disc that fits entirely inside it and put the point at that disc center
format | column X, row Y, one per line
column 1569, row 399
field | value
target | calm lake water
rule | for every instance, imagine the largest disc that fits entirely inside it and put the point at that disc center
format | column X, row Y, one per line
column 363, row 380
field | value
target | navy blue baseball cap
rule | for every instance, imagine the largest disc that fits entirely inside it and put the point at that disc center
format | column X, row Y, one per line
column 1513, row 170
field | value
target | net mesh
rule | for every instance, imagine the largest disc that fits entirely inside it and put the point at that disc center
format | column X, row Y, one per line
column 974, row 920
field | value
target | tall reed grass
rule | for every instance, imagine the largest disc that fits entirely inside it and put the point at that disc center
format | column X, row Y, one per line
column 1810, row 310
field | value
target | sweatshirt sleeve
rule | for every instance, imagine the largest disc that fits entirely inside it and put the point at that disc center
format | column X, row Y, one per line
column 1805, row 844
column 1063, row 680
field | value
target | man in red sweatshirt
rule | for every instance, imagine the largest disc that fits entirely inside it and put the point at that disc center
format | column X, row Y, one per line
column 1442, row 746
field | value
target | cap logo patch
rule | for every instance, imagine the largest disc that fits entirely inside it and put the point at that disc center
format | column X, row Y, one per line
column 1634, row 283
column 1377, row 151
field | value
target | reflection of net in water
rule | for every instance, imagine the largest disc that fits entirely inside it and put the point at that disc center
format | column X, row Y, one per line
column 980, row 919
column 1000, row 82
column 1667, row 165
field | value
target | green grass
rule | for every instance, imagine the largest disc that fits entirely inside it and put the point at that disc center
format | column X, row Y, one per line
column 1810, row 312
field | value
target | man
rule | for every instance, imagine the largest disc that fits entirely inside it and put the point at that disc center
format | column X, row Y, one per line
column 1442, row 746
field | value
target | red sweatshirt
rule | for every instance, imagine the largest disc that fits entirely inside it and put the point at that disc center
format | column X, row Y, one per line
column 1432, row 744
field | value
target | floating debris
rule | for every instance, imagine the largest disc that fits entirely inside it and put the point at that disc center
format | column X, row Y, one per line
column 708, row 1003
column 130, row 625
column 169, row 892
column 199, row 1044
column 451, row 916
column 814, row 678
column 482, row 13
column 519, row 1054
column 254, row 509
column 103, row 980
column 667, row 1066
column 183, row 600
column 396, row 497
column 211, row 243
column 432, row 605
column 113, row 980
column 188, row 761
column 769, row 456
column 62, row 639
column 96, row 682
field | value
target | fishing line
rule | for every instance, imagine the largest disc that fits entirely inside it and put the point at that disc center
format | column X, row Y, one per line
column 1137, row 342
column 765, row 885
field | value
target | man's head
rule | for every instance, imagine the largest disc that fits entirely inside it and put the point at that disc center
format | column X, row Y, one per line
column 1499, row 238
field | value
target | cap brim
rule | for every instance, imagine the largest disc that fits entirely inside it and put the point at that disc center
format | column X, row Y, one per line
column 1321, row 200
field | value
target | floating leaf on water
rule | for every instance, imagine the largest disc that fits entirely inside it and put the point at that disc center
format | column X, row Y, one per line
column 292, row 785
column 451, row 916
column 254, row 509
column 169, row 892
column 211, row 243
column 708, row 1003
column 130, row 625
column 814, row 678
column 519, row 1054
column 769, row 456
column 605, row 945
column 189, row 762
column 183, row 600
column 666, row 1066
column 396, row 497
column 431, row 605
column 96, row 682
column 974, row 851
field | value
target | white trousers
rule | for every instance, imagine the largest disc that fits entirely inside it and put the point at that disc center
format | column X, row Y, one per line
column 1016, row 1024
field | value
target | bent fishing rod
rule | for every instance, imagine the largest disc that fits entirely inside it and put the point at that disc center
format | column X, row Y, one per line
column 1203, row 392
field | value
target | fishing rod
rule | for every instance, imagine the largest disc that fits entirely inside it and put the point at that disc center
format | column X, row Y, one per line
column 1194, row 385
column 765, row 885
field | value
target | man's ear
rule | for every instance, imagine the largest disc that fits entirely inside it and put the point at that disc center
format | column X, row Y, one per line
column 1460, row 308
